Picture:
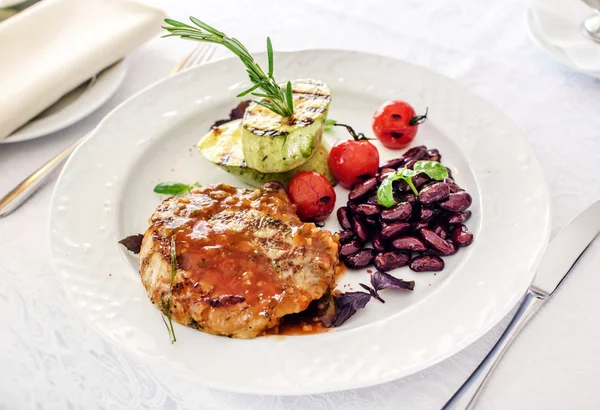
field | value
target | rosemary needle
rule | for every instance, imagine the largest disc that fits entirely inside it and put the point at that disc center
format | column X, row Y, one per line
column 274, row 97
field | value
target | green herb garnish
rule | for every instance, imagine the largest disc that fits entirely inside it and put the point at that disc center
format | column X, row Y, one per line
column 433, row 169
column 275, row 98
column 329, row 124
column 174, row 188
column 385, row 192
column 168, row 305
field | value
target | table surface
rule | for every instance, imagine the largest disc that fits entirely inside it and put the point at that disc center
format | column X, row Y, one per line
column 51, row 358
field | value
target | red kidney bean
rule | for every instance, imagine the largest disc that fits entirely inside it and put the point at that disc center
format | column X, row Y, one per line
column 409, row 243
column 346, row 235
column 393, row 163
column 434, row 193
column 440, row 227
column 436, row 242
column 385, row 172
column 362, row 189
column 416, row 153
column 410, row 163
column 379, row 243
column 426, row 213
column 387, row 261
column 394, row 230
column 427, row 263
column 461, row 236
column 453, row 185
column 373, row 221
column 361, row 229
column 343, row 216
column 360, row 259
column 372, row 200
column 408, row 197
column 400, row 212
column 367, row 210
column 420, row 179
column 434, row 155
column 453, row 246
column 351, row 247
column 420, row 225
column 457, row 202
column 352, row 206
column 400, row 186
column 459, row 218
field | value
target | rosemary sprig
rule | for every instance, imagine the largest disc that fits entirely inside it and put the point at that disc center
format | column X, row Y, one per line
column 275, row 98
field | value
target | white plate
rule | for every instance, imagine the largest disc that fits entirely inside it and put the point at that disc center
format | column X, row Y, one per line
column 105, row 193
column 74, row 106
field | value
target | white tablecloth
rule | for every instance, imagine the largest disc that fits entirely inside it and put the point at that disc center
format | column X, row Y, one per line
column 52, row 359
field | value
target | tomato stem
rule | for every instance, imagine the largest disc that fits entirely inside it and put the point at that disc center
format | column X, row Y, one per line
column 357, row 137
column 418, row 119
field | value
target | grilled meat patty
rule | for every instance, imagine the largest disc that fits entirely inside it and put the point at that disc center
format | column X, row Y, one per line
column 244, row 259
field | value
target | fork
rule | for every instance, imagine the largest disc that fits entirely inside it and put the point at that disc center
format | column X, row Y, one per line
column 19, row 194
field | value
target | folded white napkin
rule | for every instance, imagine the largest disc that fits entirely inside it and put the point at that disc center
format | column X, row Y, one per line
column 560, row 22
column 55, row 45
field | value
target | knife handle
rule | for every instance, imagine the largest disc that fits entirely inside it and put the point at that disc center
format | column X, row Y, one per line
column 29, row 185
column 466, row 397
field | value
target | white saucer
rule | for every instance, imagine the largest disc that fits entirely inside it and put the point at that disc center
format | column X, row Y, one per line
column 567, row 41
column 74, row 106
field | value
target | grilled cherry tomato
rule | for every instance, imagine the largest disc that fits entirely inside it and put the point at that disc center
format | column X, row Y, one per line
column 353, row 161
column 313, row 196
column 396, row 124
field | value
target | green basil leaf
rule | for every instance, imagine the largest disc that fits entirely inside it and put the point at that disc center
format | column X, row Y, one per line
column 433, row 169
column 329, row 124
column 173, row 188
column 385, row 192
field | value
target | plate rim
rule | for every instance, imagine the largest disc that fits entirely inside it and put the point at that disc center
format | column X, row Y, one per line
column 119, row 69
column 439, row 357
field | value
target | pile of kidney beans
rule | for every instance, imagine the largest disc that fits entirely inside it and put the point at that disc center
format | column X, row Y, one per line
column 416, row 231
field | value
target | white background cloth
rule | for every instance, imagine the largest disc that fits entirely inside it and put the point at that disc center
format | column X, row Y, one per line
column 52, row 359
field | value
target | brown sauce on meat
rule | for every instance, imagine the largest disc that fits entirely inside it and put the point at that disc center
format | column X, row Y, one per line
column 227, row 266
column 226, row 262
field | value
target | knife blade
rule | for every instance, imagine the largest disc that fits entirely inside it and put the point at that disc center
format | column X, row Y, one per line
column 565, row 249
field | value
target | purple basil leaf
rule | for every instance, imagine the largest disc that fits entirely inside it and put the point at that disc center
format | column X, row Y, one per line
column 357, row 300
column 235, row 114
column 133, row 243
column 381, row 280
column 238, row 112
column 347, row 304
column 372, row 292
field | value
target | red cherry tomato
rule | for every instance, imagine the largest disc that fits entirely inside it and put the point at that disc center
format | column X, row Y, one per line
column 396, row 124
column 313, row 196
column 353, row 161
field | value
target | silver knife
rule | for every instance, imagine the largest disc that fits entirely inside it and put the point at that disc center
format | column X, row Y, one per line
column 562, row 254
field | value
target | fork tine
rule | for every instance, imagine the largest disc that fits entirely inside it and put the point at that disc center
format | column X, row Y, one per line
column 184, row 63
column 204, row 55
column 189, row 61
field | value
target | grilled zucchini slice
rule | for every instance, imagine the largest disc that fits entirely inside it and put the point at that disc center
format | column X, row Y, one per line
column 223, row 146
column 272, row 143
